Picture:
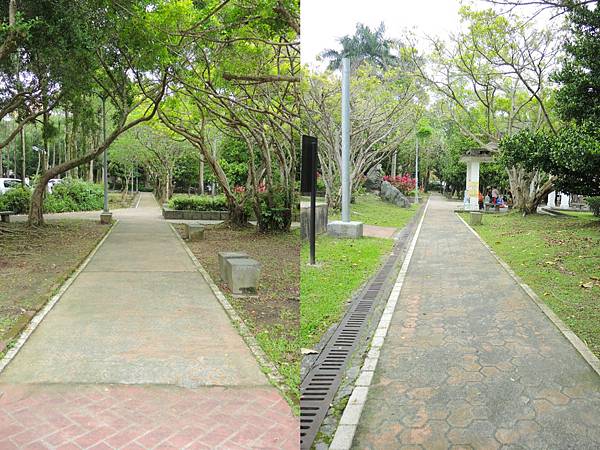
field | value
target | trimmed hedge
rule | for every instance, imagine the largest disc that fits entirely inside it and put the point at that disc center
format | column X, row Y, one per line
column 198, row 203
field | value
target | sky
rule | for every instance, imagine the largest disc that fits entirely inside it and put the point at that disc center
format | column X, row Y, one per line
column 324, row 21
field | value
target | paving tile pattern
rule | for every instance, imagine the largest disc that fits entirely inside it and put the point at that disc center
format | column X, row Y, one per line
column 471, row 362
column 148, row 417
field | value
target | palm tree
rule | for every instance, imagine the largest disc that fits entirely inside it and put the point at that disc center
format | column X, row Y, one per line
column 365, row 45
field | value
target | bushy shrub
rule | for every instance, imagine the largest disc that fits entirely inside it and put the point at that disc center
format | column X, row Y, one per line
column 594, row 203
column 74, row 195
column 198, row 202
column 16, row 199
column 404, row 183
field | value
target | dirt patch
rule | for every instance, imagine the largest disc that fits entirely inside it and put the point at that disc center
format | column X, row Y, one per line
column 273, row 316
column 34, row 264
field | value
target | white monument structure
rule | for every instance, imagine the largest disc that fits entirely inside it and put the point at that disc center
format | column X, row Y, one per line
column 473, row 158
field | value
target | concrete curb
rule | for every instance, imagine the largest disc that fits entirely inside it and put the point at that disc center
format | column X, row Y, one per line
column 579, row 345
column 344, row 435
column 268, row 367
column 41, row 314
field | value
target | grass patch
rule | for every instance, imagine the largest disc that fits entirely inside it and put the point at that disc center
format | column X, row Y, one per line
column 559, row 258
column 273, row 316
column 34, row 262
column 343, row 265
column 371, row 210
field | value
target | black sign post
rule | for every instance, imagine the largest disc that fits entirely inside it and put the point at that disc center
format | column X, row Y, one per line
column 308, row 183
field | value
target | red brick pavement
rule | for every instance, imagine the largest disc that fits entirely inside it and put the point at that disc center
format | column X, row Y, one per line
column 144, row 417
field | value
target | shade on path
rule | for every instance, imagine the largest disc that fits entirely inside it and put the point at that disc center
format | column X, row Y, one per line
column 139, row 352
column 470, row 361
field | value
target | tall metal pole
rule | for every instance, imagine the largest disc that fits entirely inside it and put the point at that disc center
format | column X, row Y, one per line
column 345, row 140
column 104, row 157
column 417, row 172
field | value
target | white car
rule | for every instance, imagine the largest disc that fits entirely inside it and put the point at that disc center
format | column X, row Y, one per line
column 8, row 183
column 53, row 182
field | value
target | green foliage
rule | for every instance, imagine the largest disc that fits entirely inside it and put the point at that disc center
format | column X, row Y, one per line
column 579, row 95
column 74, row 195
column 274, row 216
column 198, row 203
column 594, row 204
column 365, row 45
column 572, row 156
column 16, row 200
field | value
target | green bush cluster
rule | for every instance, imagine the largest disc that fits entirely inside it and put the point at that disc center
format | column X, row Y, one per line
column 198, row 202
column 70, row 195
column 594, row 203
column 16, row 199
column 74, row 195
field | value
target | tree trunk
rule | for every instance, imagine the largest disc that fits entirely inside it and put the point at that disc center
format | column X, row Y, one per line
column 201, row 176
column 36, row 209
column 237, row 216
column 23, row 174
column 527, row 192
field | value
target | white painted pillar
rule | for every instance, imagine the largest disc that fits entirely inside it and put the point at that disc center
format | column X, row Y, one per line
column 551, row 200
column 564, row 200
column 473, row 185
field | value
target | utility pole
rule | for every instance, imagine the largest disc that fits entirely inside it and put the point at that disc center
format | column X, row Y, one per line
column 417, row 172
column 345, row 140
column 345, row 228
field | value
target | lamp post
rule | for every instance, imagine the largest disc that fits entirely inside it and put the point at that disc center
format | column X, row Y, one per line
column 417, row 171
column 106, row 215
column 345, row 228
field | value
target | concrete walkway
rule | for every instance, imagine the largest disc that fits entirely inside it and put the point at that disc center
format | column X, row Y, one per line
column 138, row 353
column 470, row 361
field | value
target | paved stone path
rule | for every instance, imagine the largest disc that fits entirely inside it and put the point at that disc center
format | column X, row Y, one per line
column 471, row 362
column 379, row 232
column 138, row 353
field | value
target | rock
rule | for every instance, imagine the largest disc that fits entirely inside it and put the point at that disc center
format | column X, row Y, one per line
column 374, row 178
column 391, row 194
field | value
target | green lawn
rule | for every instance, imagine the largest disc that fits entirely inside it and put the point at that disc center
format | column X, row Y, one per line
column 370, row 209
column 559, row 258
column 343, row 265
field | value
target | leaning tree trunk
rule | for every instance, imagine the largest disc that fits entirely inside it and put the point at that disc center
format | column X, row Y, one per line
column 527, row 189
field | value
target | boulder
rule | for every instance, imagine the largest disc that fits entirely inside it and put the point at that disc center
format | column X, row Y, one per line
column 391, row 194
column 374, row 178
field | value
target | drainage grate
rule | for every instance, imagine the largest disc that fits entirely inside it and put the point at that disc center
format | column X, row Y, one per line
column 322, row 382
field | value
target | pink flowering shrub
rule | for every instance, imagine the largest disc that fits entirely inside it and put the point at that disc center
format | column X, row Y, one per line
column 404, row 183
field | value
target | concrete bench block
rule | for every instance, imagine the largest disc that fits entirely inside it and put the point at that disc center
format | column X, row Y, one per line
column 345, row 230
column 194, row 232
column 105, row 218
column 242, row 275
column 475, row 218
column 224, row 256
column 5, row 216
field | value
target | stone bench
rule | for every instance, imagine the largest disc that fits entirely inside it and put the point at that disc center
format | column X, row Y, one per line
column 194, row 232
column 241, row 275
column 5, row 216
column 224, row 256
